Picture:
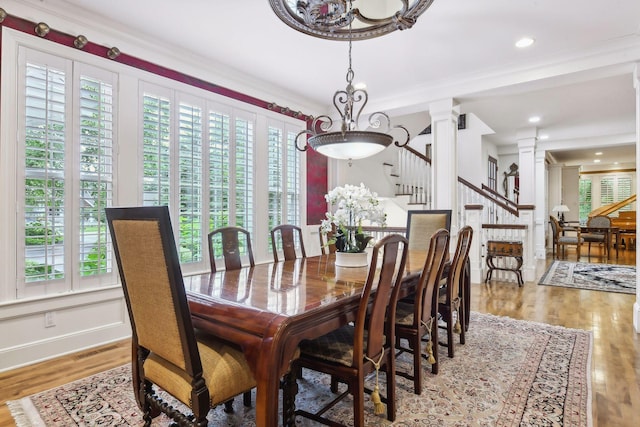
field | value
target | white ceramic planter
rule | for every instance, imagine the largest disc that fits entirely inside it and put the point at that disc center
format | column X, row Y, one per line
column 349, row 259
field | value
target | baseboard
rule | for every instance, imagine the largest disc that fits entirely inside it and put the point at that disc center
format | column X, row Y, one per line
column 39, row 351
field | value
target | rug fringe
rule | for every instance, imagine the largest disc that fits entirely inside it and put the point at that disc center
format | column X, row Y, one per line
column 24, row 413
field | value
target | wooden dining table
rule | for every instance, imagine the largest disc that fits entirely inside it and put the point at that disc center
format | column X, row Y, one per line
column 268, row 309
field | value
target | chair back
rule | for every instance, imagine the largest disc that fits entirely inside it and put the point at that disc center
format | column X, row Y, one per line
column 460, row 257
column 425, row 303
column 599, row 221
column 376, row 314
column 231, row 250
column 290, row 238
column 422, row 224
column 555, row 227
column 145, row 251
column 325, row 238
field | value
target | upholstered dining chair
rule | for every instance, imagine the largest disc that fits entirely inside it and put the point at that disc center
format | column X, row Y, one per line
column 418, row 319
column 197, row 369
column 421, row 224
column 561, row 239
column 290, row 238
column 599, row 237
column 451, row 297
column 231, row 247
column 362, row 347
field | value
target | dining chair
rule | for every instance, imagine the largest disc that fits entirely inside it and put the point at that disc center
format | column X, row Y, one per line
column 561, row 239
column 599, row 237
column 421, row 224
column 359, row 348
column 325, row 238
column 418, row 319
column 231, row 247
column 290, row 238
column 451, row 297
column 198, row 369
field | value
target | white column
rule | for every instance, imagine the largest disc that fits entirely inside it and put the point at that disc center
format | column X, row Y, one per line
column 526, row 165
column 636, row 85
column 444, row 154
column 540, row 214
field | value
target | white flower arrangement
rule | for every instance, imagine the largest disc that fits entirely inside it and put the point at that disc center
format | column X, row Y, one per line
column 354, row 204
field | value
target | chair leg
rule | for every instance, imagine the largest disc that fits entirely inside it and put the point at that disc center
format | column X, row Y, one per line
column 246, row 399
column 417, row 365
column 391, row 387
column 358, row 403
column 289, row 391
column 450, row 331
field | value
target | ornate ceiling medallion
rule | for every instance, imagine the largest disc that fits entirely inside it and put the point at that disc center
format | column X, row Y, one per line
column 330, row 19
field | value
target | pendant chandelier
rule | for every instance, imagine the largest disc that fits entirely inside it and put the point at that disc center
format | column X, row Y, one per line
column 349, row 142
column 332, row 19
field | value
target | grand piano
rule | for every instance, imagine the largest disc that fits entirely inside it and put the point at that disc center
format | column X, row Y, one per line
column 625, row 221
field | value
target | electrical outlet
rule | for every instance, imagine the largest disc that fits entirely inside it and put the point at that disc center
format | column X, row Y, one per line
column 50, row 319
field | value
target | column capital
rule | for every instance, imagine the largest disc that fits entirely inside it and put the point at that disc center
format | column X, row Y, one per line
column 443, row 109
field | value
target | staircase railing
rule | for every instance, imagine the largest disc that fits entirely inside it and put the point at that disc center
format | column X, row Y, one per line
column 496, row 211
column 413, row 173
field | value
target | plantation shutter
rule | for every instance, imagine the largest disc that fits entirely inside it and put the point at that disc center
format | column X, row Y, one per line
column 190, row 183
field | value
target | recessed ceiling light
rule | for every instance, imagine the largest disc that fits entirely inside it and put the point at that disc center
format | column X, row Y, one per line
column 525, row 42
column 534, row 119
column 616, row 163
column 544, row 136
column 596, row 161
column 599, row 153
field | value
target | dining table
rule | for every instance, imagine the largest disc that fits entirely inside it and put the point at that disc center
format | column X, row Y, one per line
column 268, row 309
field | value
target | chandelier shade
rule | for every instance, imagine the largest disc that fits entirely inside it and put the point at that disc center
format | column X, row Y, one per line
column 331, row 19
column 350, row 145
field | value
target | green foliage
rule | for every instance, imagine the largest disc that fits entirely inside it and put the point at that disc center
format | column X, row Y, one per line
column 33, row 271
column 38, row 234
column 95, row 262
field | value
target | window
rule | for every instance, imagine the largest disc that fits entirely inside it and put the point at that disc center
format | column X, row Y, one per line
column 584, row 197
column 192, row 150
column 492, row 174
column 284, row 177
column 61, row 198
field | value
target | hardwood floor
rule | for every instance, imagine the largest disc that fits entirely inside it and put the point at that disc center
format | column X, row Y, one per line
column 616, row 346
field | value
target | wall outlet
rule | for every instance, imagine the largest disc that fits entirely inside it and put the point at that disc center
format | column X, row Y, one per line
column 50, row 319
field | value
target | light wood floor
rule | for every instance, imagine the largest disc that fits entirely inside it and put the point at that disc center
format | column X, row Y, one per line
column 616, row 347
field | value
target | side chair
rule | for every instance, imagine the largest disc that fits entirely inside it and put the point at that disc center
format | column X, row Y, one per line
column 422, row 224
column 562, row 239
column 418, row 319
column 325, row 238
column 599, row 237
column 231, row 248
column 197, row 369
column 357, row 349
column 290, row 237
column 451, row 297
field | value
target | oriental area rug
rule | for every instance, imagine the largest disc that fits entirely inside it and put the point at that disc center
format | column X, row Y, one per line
column 596, row 277
column 509, row 373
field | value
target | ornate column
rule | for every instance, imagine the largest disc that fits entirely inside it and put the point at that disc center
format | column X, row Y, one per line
column 444, row 158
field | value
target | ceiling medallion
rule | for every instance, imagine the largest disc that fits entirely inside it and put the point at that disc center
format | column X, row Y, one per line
column 330, row 19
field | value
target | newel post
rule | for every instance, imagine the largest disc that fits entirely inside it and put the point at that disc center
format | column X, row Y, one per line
column 473, row 218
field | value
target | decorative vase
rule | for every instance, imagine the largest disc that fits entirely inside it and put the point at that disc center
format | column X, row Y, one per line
column 352, row 259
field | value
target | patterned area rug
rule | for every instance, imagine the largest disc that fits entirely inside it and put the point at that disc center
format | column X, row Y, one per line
column 596, row 277
column 509, row 373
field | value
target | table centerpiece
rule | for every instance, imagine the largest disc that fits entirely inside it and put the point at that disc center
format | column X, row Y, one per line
column 353, row 206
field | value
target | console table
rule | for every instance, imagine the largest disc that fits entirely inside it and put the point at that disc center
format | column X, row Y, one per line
column 501, row 248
